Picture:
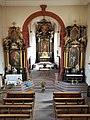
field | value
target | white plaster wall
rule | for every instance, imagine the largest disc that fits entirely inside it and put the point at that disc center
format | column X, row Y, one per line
column 19, row 14
column 87, row 66
column 70, row 13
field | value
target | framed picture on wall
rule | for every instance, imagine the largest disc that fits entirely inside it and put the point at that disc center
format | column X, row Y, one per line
column 73, row 56
column 15, row 58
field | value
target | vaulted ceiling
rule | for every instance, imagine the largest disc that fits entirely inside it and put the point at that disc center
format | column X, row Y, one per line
column 39, row 2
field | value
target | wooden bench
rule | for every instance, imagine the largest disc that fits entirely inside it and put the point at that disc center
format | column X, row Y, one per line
column 86, row 116
column 16, row 109
column 79, row 108
column 66, row 95
column 18, row 100
column 30, row 94
column 20, row 97
column 69, row 100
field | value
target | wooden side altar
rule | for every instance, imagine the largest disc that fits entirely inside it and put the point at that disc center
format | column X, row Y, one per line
column 15, row 52
column 74, row 53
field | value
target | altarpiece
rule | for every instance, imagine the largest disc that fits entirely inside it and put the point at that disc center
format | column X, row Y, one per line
column 44, row 41
column 74, row 53
column 14, row 52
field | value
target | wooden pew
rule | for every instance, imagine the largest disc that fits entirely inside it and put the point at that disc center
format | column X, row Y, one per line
column 75, row 101
column 18, row 100
column 71, row 116
column 69, row 100
column 20, row 97
column 18, row 105
column 30, row 94
column 11, row 109
column 16, row 111
column 70, row 108
column 66, row 95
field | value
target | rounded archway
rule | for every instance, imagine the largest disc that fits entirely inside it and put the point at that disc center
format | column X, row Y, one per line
column 43, row 12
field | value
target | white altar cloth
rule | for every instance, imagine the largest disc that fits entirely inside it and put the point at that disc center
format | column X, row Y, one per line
column 13, row 78
column 74, row 75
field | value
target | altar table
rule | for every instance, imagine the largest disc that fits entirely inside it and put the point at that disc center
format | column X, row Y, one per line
column 13, row 78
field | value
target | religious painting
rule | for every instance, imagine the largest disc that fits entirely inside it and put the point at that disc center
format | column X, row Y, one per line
column 74, row 57
column 74, row 33
column 15, row 58
column 45, row 46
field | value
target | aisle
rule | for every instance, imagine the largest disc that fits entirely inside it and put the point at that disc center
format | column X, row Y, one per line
column 44, row 109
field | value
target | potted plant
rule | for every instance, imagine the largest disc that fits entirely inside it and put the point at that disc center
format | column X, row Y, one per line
column 43, row 84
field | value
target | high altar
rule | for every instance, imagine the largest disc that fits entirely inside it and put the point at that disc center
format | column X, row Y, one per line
column 44, row 41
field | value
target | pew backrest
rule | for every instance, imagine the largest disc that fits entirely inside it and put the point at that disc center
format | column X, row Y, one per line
column 66, row 95
column 30, row 94
column 18, row 100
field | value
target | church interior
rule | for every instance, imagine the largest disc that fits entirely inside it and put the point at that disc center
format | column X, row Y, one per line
column 44, row 59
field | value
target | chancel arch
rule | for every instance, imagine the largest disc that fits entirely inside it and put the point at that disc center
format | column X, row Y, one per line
column 43, row 12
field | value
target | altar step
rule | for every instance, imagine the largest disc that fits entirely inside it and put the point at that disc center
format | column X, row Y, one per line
column 64, row 86
column 21, row 87
column 49, row 83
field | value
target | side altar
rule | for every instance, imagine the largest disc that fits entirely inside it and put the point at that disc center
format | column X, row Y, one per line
column 15, row 52
column 74, row 53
